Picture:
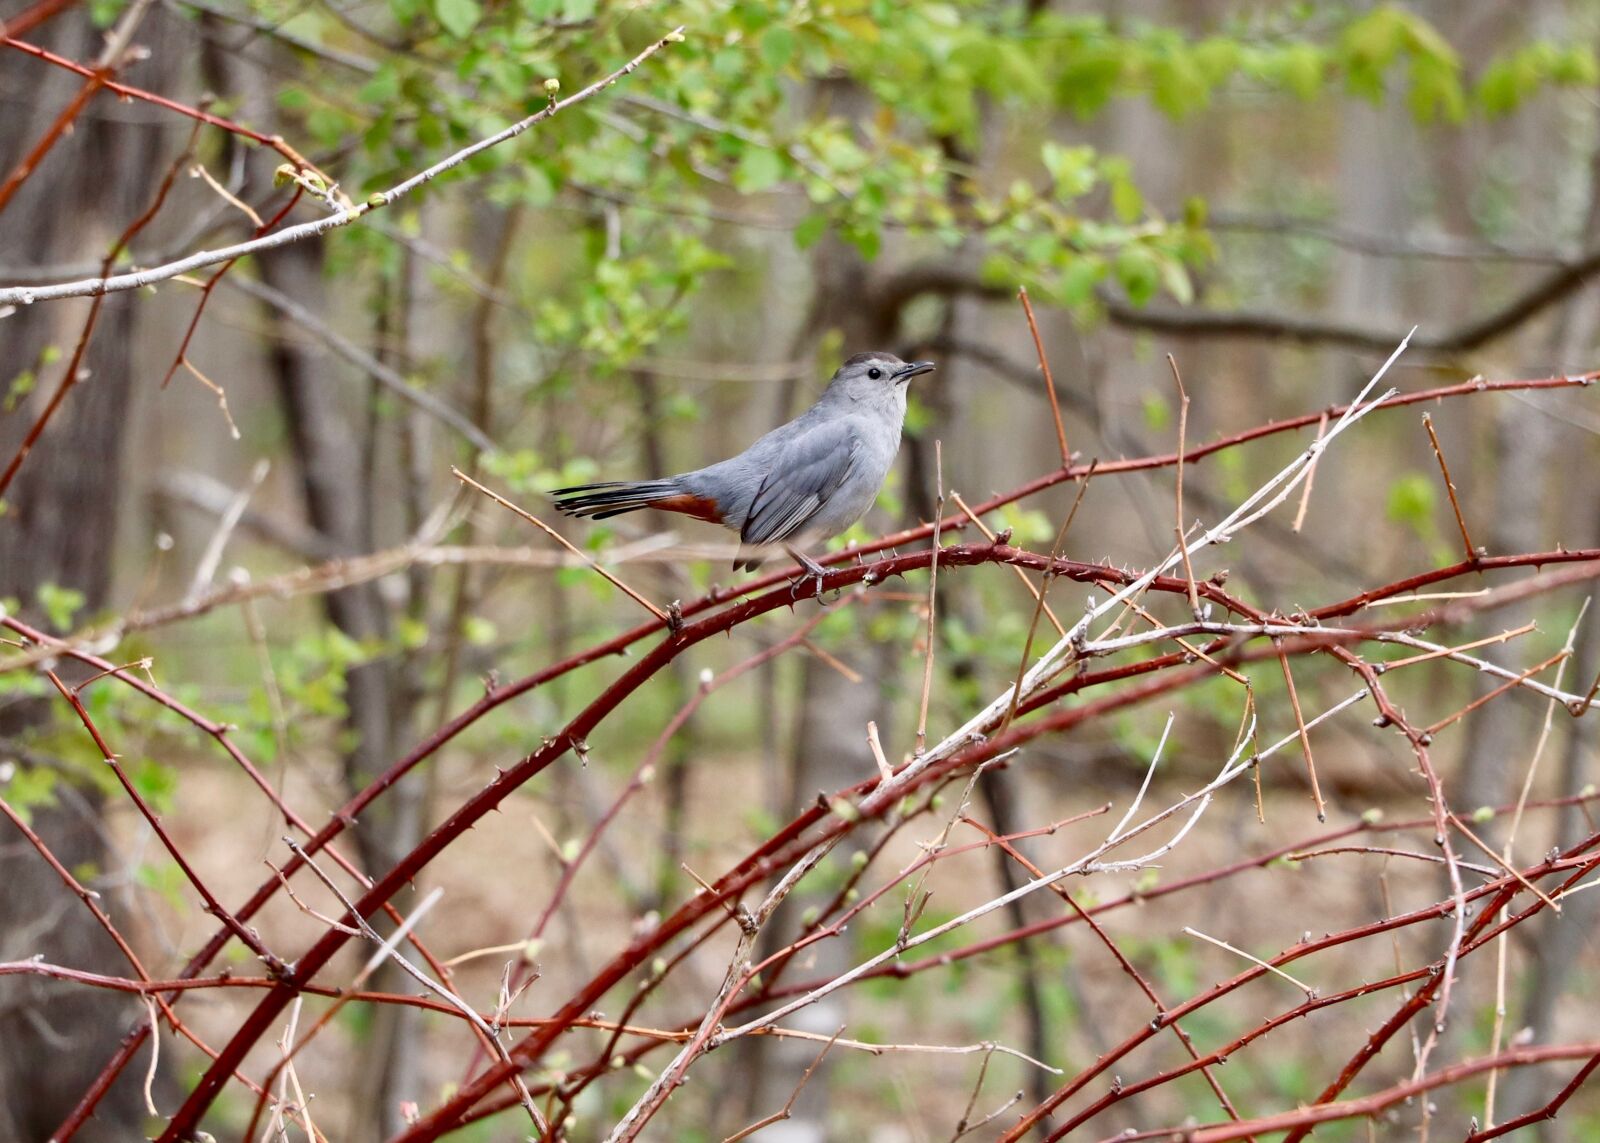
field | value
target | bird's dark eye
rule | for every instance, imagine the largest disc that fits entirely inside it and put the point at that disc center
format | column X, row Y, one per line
column 875, row 373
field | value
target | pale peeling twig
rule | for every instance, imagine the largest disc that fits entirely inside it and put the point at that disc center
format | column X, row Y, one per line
column 1311, row 993
column 565, row 543
column 1486, row 667
column 885, row 770
column 206, row 569
column 88, row 287
column 155, row 1057
column 1195, row 804
column 492, row 950
column 1567, row 648
column 1426, row 595
column 198, row 171
column 987, row 1047
column 220, row 393
column 1503, row 637
column 389, row 949
column 307, row 909
column 1144, row 786
column 292, row 1076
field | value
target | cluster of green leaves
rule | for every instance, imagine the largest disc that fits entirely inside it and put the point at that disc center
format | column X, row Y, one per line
column 868, row 113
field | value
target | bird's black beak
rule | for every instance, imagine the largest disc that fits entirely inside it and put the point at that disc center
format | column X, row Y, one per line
column 907, row 372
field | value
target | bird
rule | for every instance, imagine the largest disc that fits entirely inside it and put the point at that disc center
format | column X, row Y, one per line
column 804, row 482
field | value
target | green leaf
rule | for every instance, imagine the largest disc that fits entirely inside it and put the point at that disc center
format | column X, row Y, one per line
column 1138, row 269
column 777, row 46
column 1300, row 70
column 759, row 169
column 811, row 229
column 458, row 17
column 1175, row 279
column 156, row 783
column 1126, row 200
column 1411, row 502
column 60, row 604
column 1072, row 170
column 1157, row 411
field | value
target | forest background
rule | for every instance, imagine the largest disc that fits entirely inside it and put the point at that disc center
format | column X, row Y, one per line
column 242, row 557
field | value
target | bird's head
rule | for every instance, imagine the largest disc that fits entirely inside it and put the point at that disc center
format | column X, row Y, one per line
column 876, row 377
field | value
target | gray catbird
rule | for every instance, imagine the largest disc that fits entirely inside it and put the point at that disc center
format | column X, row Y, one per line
column 803, row 482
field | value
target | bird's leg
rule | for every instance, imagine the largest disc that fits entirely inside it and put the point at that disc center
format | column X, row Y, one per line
column 813, row 570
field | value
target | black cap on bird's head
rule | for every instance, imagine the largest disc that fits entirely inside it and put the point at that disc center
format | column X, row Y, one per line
column 878, row 366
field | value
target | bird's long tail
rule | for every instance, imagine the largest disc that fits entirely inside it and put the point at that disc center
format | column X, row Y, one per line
column 614, row 497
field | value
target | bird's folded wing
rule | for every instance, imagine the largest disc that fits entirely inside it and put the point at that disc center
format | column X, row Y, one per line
column 799, row 480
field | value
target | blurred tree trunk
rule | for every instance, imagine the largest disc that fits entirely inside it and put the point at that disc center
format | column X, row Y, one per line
column 1560, row 942
column 59, row 528
column 829, row 752
column 337, row 488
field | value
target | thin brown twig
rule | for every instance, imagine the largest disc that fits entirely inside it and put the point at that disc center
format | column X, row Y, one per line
column 1044, row 589
column 210, row 284
column 114, row 54
column 1579, row 709
column 1450, row 486
column 1049, row 382
column 1506, row 866
column 990, row 535
column 565, row 543
column 74, row 373
column 933, row 589
column 1127, row 966
column 199, row 115
column 26, row 21
column 852, row 675
column 1300, row 726
column 787, row 1109
column 1499, row 690
column 1181, row 530
column 246, row 936
column 1443, row 652
column 1311, row 476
